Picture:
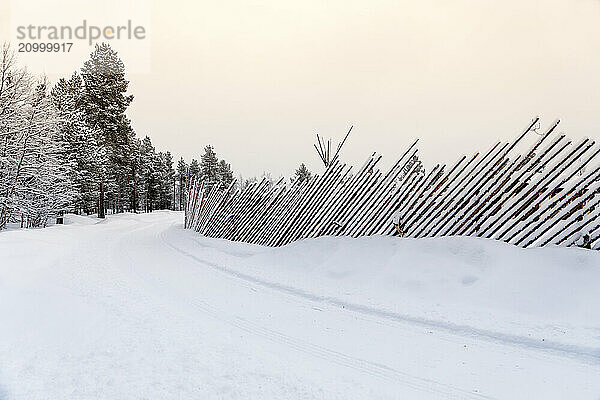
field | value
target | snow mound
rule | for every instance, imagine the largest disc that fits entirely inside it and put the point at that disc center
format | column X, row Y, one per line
column 548, row 295
column 74, row 219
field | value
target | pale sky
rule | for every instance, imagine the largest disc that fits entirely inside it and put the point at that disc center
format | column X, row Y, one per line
column 257, row 79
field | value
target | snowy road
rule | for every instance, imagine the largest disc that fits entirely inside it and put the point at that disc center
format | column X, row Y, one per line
column 134, row 308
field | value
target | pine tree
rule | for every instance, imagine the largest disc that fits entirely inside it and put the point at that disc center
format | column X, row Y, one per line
column 81, row 142
column 224, row 174
column 209, row 166
column 167, row 181
column 181, row 175
column 50, row 189
column 35, row 177
column 150, row 172
column 15, row 96
column 105, row 101
column 195, row 170
column 136, row 179
column 302, row 174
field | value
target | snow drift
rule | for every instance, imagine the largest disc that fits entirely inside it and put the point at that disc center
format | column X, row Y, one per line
column 137, row 307
column 545, row 297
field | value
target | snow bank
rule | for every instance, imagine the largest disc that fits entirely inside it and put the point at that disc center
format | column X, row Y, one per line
column 69, row 219
column 74, row 219
column 546, row 295
column 137, row 307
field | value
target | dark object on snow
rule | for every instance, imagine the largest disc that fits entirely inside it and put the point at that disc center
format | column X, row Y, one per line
column 587, row 243
column 60, row 219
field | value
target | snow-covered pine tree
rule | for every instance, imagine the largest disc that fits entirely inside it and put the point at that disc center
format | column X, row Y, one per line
column 135, row 179
column 121, row 170
column 15, row 98
column 105, row 102
column 49, row 189
column 35, row 179
column 209, row 166
column 167, row 181
column 80, row 143
column 150, row 172
column 224, row 174
column 182, row 170
column 302, row 174
column 195, row 170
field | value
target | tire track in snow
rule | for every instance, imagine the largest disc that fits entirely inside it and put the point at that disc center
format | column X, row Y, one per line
column 581, row 353
column 373, row 369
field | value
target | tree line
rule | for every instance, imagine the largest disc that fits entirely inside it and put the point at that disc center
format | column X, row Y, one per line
column 71, row 147
column 214, row 173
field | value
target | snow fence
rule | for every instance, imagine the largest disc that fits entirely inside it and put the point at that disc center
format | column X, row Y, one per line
column 526, row 195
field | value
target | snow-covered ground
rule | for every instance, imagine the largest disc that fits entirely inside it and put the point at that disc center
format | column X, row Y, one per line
column 135, row 307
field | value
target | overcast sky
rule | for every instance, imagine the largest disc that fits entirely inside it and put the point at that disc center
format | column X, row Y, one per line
column 257, row 79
